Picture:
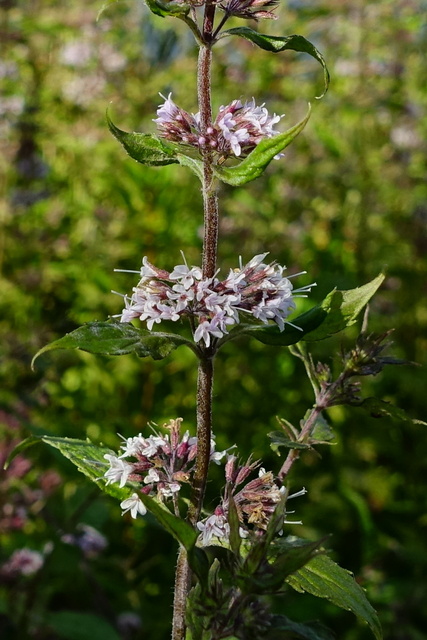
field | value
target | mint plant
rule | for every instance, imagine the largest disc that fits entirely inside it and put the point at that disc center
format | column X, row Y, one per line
column 233, row 558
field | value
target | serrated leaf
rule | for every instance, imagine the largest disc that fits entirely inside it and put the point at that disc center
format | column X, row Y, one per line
column 86, row 456
column 117, row 339
column 89, row 460
column 323, row 578
column 256, row 162
column 144, row 148
column 338, row 310
column 277, row 44
column 380, row 408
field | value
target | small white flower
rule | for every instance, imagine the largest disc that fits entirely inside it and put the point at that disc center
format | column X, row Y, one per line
column 214, row 527
column 119, row 470
column 134, row 505
column 152, row 476
column 170, row 489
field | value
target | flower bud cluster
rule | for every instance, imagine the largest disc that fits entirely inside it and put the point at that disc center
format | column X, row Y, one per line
column 236, row 131
column 257, row 289
column 255, row 502
column 159, row 463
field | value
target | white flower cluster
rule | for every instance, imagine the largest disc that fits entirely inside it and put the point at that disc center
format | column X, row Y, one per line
column 160, row 464
column 237, row 129
column 257, row 289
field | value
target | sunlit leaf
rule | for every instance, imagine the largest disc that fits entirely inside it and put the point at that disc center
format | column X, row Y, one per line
column 278, row 43
column 171, row 8
column 117, row 339
column 255, row 164
column 144, row 148
column 338, row 310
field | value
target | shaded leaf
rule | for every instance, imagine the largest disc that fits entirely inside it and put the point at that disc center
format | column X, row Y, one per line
column 321, row 432
column 195, row 165
column 325, row 579
column 177, row 527
column 277, row 44
column 297, row 631
column 86, row 456
column 280, row 439
column 144, row 148
column 380, row 408
column 117, row 339
column 256, row 162
column 80, row 626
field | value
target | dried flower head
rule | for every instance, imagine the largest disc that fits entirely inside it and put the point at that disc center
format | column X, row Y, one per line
column 255, row 502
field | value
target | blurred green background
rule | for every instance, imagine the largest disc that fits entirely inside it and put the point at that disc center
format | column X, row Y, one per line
column 348, row 200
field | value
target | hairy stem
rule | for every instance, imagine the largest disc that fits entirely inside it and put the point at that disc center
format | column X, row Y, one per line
column 182, row 586
column 205, row 371
column 204, row 430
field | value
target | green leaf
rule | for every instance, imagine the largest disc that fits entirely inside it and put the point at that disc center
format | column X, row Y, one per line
column 338, row 310
column 164, row 9
column 322, row 432
column 177, row 527
column 325, row 579
column 80, row 626
column 343, row 307
column 297, row 630
column 144, row 148
column 277, row 44
column 117, row 339
column 89, row 459
column 195, row 165
column 280, row 439
column 86, row 456
column 380, row 408
column 233, row 521
column 271, row 334
column 255, row 164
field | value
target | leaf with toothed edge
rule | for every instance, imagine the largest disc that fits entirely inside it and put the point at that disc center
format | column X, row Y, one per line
column 117, row 339
column 144, row 148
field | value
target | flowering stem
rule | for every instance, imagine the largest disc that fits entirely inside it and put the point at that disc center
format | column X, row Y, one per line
column 205, row 371
column 210, row 201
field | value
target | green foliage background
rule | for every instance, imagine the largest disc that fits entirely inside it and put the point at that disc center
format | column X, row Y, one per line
column 348, row 199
